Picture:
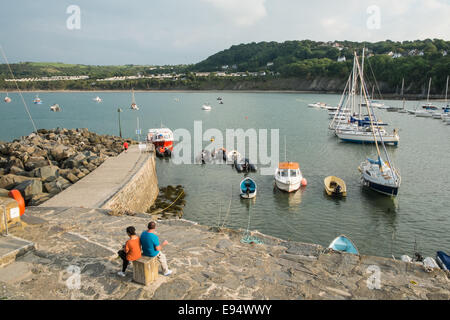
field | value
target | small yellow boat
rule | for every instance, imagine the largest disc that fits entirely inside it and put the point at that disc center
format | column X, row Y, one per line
column 335, row 186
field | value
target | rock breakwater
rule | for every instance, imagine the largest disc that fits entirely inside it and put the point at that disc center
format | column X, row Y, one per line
column 47, row 162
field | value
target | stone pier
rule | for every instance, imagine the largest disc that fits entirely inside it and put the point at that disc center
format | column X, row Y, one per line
column 126, row 183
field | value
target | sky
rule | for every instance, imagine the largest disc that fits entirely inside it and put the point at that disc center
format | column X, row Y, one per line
column 159, row 32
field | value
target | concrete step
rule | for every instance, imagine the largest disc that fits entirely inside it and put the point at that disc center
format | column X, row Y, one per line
column 12, row 247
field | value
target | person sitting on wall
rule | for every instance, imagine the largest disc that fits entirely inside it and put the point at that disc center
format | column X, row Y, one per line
column 131, row 251
column 152, row 248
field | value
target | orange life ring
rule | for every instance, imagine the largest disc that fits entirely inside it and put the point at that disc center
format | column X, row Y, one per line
column 16, row 195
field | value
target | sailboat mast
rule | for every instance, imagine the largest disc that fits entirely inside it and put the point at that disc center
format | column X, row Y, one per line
column 429, row 87
column 403, row 93
column 285, row 152
column 446, row 91
column 362, row 77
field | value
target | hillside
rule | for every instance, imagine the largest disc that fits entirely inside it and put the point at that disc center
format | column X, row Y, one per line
column 387, row 61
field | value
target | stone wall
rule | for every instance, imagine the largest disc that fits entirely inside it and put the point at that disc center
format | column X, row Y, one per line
column 139, row 192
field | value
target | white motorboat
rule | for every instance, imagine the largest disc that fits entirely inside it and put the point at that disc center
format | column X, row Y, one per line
column 55, row 108
column 288, row 177
column 97, row 99
column 206, row 107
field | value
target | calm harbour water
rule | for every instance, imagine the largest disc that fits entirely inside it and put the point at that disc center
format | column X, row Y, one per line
column 377, row 224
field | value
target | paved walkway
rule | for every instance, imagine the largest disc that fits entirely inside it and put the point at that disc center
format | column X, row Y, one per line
column 81, row 243
column 100, row 185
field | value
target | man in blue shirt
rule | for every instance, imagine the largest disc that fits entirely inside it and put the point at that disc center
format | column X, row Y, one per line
column 152, row 248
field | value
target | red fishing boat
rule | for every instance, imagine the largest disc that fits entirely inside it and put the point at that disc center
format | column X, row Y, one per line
column 162, row 138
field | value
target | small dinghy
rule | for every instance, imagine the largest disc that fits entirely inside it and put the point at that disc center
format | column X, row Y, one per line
column 443, row 260
column 343, row 244
column 233, row 155
column 206, row 107
column 335, row 186
column 248, row 188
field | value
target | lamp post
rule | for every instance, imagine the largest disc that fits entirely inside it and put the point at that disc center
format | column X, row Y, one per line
column 120, row 128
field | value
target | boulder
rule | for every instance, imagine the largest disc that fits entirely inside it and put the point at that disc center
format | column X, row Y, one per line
column 72, row 178
column 15, row 162
column 61, row 152
column 15, row 170
column 35, row 162
column 4, row 192
column 47, row 173
column 9, row 181
column 29, row 188
column 57, row 185
column 38, row 199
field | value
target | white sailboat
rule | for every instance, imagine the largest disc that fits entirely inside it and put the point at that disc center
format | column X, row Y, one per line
column 133, row 102
column 349, row 124
column 378, row 175
column 55, row 108
column 7, row 99
column 427, row 107
column 403, row 110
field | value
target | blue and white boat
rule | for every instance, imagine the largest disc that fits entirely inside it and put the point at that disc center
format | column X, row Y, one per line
column 343, row 244
column 37, row 100
column 378, row 176
column 248, row 188
column 443, row 260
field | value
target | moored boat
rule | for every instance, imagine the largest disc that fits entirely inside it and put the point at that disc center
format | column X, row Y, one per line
column 206, row 107
column 55, row 108
column 37, row 100
column 97, row 99
column 248, row 188
column 162, row 139
column 133, row 102
column 378, row 176
column 335, row 186
column 288, row 177
column 343, row 244
column 443, row 260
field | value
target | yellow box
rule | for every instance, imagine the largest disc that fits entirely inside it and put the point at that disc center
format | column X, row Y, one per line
column 12, row 212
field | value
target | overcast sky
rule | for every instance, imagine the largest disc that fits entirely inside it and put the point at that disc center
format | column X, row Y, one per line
column 188, row 31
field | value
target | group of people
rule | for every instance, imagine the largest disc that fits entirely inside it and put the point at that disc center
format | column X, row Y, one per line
column 149, row 242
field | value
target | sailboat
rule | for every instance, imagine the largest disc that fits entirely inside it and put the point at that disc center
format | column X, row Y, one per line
column 446, row 107
column 378, row 175
column 353, row 126
column 37, row 100
column 133, row 102
column 97, row 99
column 427, row 106
column 403, row 110
column 55, row 108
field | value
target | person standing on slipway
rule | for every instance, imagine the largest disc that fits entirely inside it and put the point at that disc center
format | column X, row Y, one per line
column 152, row 248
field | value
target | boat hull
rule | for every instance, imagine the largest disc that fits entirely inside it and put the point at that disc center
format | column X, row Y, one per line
column 380, row 188
column 343, row 244
column 331, row 190
column 354, row 138
column 288, row 187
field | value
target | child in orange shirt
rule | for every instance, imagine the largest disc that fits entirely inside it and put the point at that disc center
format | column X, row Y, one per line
column 131, row 250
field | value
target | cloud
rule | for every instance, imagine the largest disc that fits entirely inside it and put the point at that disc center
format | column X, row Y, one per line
column 241, row 13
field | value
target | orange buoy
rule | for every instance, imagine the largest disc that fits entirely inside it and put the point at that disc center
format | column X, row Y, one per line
column 304, row 182
column 16, row 195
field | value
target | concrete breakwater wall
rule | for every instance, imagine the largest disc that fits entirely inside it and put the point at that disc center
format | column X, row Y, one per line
column 138, row 193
